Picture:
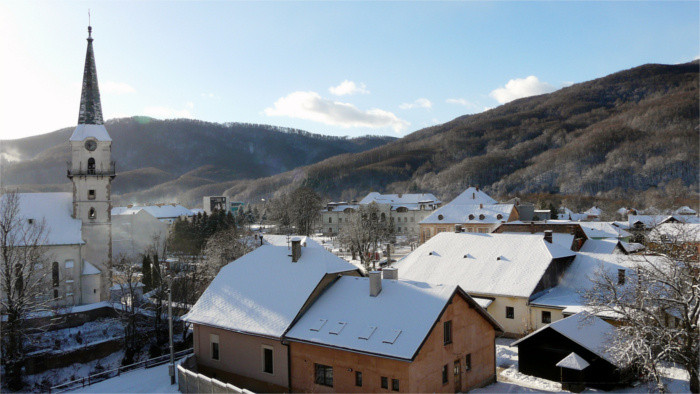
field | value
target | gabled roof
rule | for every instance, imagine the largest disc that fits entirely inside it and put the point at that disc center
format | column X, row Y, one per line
column 676, row 232
column 89, row 269
column 488, row 264
column 603, row 246
column 470, row 213
column 573, row 361
column 591, row 332
column 394, row 323
column 603, row 230
column 399, row 199
column 262, row 292
column 56, row 210
column 685, row 210
column 473, row 196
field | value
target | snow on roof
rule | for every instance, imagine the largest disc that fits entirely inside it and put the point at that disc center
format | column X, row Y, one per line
column 398, row 199
column 263, row 291
column 89, row 269
column 470, row 213
column 676, row 232
column 284, row 240
column 685, row 210
column 573, row 361
column 483, row 302
column 118, row 286
column 651, row 221
column 603, row 230
column 604, row 246
column 562, row 239
column 340, row 208
column 488, row 264
column 631, row 247
column 164, row 211
column 56, row 210
column 473, row 196
column 591, row 332
column 96, row 131
column 593, row 211
column 394, row 323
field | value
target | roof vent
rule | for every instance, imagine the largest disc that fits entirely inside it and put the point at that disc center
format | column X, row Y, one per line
column 481, row 206
column 548, row 236
column 482, row 217
column 440, row 217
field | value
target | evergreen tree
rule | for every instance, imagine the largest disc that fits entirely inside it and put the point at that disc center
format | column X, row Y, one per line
column 147, row 278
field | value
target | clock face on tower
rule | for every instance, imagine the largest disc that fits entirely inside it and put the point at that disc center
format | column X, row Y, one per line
column 90, row 145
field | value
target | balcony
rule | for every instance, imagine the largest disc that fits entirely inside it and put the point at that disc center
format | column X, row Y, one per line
column 91, row 171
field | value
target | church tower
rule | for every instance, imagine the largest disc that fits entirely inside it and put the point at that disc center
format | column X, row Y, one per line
column 91, row 171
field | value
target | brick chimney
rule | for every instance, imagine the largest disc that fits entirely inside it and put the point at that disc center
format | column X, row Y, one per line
column 296, row 249
column 391, row 273
column 375, row 283
column 548, row 236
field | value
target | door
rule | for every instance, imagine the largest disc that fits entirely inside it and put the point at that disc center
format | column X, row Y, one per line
column 458, row 376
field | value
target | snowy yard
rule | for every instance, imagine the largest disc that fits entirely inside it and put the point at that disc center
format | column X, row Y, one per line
column 68, row 339
column 151, row 380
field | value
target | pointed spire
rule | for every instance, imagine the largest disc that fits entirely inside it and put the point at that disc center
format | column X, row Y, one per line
column 90, row 106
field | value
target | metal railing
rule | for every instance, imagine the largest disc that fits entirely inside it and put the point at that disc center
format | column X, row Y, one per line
column 92, row 171
column 104, row 375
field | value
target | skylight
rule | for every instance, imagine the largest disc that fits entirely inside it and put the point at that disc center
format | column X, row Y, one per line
column 367, row 332
column 317, row 326
column 337, row 328
column 391, row 336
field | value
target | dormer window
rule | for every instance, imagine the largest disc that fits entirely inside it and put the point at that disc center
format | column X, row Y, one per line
column 92, row 215
column 91, row 166
column 91, row 194
column 30, row 221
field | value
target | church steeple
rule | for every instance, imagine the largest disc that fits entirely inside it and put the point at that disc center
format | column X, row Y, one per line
column 90, row 106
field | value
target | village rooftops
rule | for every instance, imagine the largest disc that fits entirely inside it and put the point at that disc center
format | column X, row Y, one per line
column 591, row 332
column 393, row 323
column 55, row 210
column 262, row 292
column 470, row 213
column 399, row 199
column 603, row 230
column 473, row 196
column 485, row 264
column 159, row 211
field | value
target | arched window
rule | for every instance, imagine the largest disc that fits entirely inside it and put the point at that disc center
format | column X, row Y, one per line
column 383, row 217
column 91, row 166
column 330, row 219
column 92, row 214
column 54, row 273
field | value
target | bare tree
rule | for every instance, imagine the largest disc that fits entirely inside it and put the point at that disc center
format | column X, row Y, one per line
column 364, row 231
column 126, row 276
column 22, row 281
column 658, row 305
column 222, row 248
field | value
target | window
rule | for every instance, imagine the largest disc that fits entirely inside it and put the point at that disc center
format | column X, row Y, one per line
column 330, row 219
column 55, row 293
column 91, row 166
column 510, row 312
column 395, row 384
column 546, row 317
column 358, row 378
column 385, row 382
column 69, row 263
column 340, row 220
column 447, row 332
column 267, row 366
column 91, row 194
column 468, row 362
column 324, row 375
column 54, row 274
column 30, row 221
column 214, row 340
column 445, row 378
column 399, row 230
column 92, row 214
column 620, row 277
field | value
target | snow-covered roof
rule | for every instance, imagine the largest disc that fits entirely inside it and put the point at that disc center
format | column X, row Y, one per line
column 470, row 213
column 89, row 269
column 573, row 361
column 631, row 247
column 96, row 131
column 604, row 246
column 676, row 232
column 649, row 221
column 685, row 210
column 283, row 240
column 483, row 302
column 591, row 332
column 263, row 291
column 340, row 207
column 394, row 323
column 487, row 264
column 603, row 230
column 399, row 199
column 562, row 239
column 164, row 211
column 56, row 210
column 473, row 196
column 593, row 211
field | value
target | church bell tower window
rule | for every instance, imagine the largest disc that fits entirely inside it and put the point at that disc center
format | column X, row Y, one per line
column 91, row 194
column 92, row 214
column 91, row 166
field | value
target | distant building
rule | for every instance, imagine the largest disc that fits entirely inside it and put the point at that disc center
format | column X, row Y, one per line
column 136, row 232
column 404, row 210
column 166, row 213
column 221, row 203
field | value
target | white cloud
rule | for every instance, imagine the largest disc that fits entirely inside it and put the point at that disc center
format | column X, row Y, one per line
column 162, row 112
column 347, row 88
column 419, row 103
column 116, row 87
column 521, row 87
column 462, row 102
column 311, row 106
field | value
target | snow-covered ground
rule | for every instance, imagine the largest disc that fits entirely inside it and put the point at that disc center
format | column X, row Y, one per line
column 68, row 339
column 151, row 380
column 401, row 248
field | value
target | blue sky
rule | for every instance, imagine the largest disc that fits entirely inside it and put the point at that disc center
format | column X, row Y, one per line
column 340, row 68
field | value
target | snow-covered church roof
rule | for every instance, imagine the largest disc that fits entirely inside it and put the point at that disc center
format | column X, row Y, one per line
column 55, row 210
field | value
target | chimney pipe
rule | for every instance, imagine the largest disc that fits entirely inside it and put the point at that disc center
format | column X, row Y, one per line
column 548, row 236
column 391, row 273
column 261, row 240
column 296, row 249
column 375, row 283
column 481, row 206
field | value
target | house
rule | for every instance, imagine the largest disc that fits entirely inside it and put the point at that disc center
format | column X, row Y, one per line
column 166, row 213
column 221, row 203
column 404, row 210
column 397, row 335
column 473, row 210
column 241, row 318
column 136, row 232
column 574, row 351
column 604, row 230
column 500, row 271
column 565, row 233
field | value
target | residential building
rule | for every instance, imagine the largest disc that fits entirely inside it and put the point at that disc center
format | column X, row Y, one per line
column 221, row 203
column 502, row 272
column 396, row 335
column 473, row 210
column 136, row 232
column 405, row 210
column 241, row 318
column 166, row 213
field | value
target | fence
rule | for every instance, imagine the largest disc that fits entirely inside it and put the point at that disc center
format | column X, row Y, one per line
column 193, row 382
column 98, row 377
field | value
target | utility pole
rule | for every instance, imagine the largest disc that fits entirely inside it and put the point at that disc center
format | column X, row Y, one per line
column 171, row 368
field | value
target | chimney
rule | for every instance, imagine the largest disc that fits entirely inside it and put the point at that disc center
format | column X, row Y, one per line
column 296, row 249
column 391, row 273
column 458, row 228
column 548, row 236
column 481, row 206
column 261, row 240
column 375, row 283
column 473, row 196
column 477, row 188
